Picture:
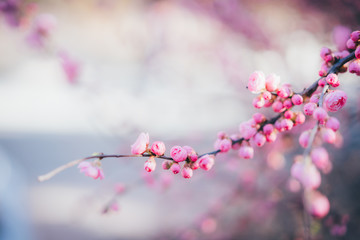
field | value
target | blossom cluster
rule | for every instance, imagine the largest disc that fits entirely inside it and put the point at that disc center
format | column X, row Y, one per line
column 292, row 109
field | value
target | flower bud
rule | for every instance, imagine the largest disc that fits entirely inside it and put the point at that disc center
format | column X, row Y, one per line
column 187, row 172
column 175, row 168
column 206, row 162
column 318, row 205
column 246, row 152
column 268, row 128
column 300, row 118
column 332, row 123
column 272, row 82
column 320, row 114
column 259, row 139
column 320, row 158
column 328, row 135
column 297, row 99
column 309, row 108
column 178, row 154
column 150, row 164
column 333, row 80
column 158, row 148
column 256, row 82
column 166, row 164
column 304, row 139
column 259, row 118
column 278, row 106
column 141, row 144
column 335, row 100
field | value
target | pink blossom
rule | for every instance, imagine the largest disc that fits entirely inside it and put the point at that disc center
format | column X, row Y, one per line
column 259, row 117
column 187, row 172
column 322, row 82
column 158, row 148
column 175, row 168
column 288, row 104
column 268, row 128
column 328, row 135
column 284, row 91
column 309, row 108
column 287, row 124
column 332, row 123
column 191, row 152
column 150, row 164
column 320, row 114
column 271, row 137
column 278, row 106
column 246, row 152
column 333, row 80
column 92, row 169
column 354, row 67
column 297, row 99
column 315, row 98
column 357, row 52
column 288, row 114
column 195, row 165
column 246, row 130
column 350, row 44
column 304, row 139
column 322, row 73
column 224, row 145
column 256, row 82
column 324, row 52
column 355, row 36
column 258, row 102
column 141, row 144
column 259, row 139
column 206, row 162
column 266, row 95
column 320, row 158
column 272, row 82
column 178, row 154
column 318, row 205
column 307, row 174
column 300, row 118
column 335, row 100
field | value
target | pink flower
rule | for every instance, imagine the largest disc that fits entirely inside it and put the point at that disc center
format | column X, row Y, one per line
column 259, row 139
column 224, row 145
column 278, row 106
column 309, row 108
column 187, row 172
column 271, row 137
column 355, row 36
column 320, row 114
column 92, row 169
column 206, row 162
column 258, row 102
column 150, row 164
column 318, row 205
column 328, row 135
column 304, row 139
column 320, row 158
column 354, row 67
column 191, row 152
column 246, row 130
column 175, row 168
column 288, row 104
column 256, row 82
column 195, row 165
column 141, row 144
column 158, row 148
column 350, row 44
column 178, row 154
column 324, row 52
column 335, row 100
column 357, row 52
column 333, row 80
column 268, row 128
column 266, row 95
column 246, row 152
column 284, row 91
column 308, row 175
column 315, row 98
column 287, row 124
column 259, row 118
column 332, row 123
column 297, row 99
column 272, row 82
column 300, row 118
column 288, row 114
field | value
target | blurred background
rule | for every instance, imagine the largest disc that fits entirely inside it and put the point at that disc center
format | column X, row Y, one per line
column 78, row 77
